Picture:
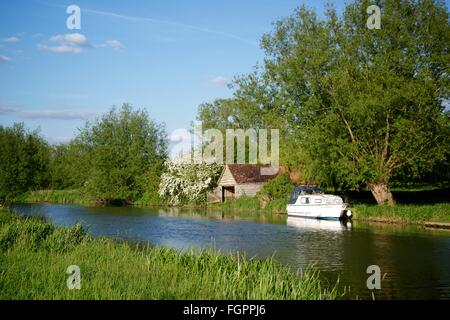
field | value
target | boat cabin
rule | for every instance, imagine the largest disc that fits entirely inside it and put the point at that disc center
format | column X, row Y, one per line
column 304, row 190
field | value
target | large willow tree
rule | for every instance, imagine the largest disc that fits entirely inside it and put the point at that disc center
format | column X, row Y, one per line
column 362, row 104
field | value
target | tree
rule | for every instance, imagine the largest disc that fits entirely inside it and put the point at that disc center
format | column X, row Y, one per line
column 24, row 161
column 184, row 182
column 359, row 104
column 126, row 149
column 69, row 165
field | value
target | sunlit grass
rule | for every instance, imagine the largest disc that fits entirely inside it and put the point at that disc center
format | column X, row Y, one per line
column 74, row 196
column 404, row 213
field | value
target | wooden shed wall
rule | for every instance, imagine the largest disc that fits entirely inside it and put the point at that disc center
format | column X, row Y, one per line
column 227, row 178
column 248, row 189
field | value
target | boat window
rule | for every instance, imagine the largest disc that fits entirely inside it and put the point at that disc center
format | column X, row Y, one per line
column 318, row 201
column 294, row 196
column 305, row 200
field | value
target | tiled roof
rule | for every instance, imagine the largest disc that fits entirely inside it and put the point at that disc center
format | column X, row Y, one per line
column 249, row 173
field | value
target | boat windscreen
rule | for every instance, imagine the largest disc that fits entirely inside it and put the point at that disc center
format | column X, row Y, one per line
column 303, row 190
column 313, row 190
column 294, row 195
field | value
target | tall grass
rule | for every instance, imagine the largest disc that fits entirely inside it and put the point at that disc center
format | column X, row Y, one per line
column 81, row 197
column 35, row 256
column 439, row 212
column 75, row 196
column 246, row 203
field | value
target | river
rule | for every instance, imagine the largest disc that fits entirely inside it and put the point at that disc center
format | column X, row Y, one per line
column 414, row 261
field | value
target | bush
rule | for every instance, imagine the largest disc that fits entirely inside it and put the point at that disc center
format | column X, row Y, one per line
column 279, row 187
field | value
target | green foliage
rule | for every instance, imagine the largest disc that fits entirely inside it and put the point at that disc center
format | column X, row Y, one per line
column 24, row 161
column 354, row 106
column 119, row 157
column 69, row 165
column 277, row 188
column 113, row 270
column 126, row 153
column 371, row 101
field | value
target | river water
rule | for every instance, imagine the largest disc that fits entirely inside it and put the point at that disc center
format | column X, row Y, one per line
column 414, row 261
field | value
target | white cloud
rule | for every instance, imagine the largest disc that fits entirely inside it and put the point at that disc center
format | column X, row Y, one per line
column 60, row 49
column 75, row 43
column 5, row 59
column 75, row 39
column 114, row 44
column 57, row 139
column 6, row 108
column 66, row 43
column 10, row 40
column 57, row 114
column 220, row 81
column 68, row 114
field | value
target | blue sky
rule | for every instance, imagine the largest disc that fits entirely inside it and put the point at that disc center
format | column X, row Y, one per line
column 164, row 56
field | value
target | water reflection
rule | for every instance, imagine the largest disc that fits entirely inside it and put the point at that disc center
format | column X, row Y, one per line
column 318, row 224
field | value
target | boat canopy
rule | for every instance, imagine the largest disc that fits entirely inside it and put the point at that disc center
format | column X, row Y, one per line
column 304, row 190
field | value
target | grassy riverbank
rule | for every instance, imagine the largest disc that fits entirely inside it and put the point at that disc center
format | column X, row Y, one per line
column 75, row 196
column 34, row 256
column 247, row 203
column 402, row 213
column 78, row 196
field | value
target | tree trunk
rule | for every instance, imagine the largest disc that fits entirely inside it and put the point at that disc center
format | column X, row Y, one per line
column 381, row 193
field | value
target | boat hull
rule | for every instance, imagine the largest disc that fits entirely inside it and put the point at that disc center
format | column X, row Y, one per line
column 328, row 212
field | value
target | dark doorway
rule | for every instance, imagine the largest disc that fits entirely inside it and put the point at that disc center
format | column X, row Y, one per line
column 227, row 193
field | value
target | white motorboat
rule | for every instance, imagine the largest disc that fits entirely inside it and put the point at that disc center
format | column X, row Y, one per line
column 311, row 202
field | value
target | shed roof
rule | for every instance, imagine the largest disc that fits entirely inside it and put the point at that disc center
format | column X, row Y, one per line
column 249, row 173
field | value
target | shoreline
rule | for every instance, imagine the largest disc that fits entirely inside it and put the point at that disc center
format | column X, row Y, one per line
column 396, row 220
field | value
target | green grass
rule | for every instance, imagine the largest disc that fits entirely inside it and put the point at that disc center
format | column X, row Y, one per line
column 78, row 196
column 246, row 203
column 75, row 196
column 34, row 256
column 403, row 213
column 242, row 203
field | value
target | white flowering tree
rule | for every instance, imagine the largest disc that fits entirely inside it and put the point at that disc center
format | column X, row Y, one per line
column 188, row 182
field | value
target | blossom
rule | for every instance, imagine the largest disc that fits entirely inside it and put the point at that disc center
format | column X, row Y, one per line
column 188, row 182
